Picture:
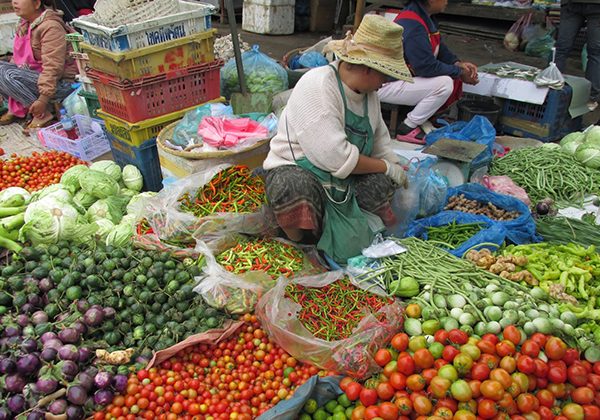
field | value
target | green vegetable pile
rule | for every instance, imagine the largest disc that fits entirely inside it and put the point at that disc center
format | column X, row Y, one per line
column 335, row 409
column 566, row 230
column 453, row 235
column 585, row 147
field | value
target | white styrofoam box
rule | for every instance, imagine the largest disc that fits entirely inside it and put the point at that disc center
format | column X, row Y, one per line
column 8, row 27
column 275, row 17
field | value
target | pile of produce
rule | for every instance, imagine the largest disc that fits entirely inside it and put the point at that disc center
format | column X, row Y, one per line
column 332, row 312
column 543, row 172
column 238, row 378
column 566, row 230
column 234, row 189
column 467, row 378
column 452, row 235
column 585, row 147
column 13, row 203
column 340, row 408
column 63, row 304
column 36, row 171
column 463, row 204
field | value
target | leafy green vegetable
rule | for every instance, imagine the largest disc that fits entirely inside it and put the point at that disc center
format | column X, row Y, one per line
column 589, row 154
column 110, row 208
column 104, row 227
column 84, row 199
column 592, row 136
column 98, row 184
column 132, row 178
column 109, row 167
column 120, row 236
column 571, row 142
column 9, row 194
column 137, row 203
column 71, row 176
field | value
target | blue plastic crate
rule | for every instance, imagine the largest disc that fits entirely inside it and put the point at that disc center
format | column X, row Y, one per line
column 145, row 157
column 547, row 122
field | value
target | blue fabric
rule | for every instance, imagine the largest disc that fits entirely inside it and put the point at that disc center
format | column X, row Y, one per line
column 321, row 389
column 417, row 48
column 491, row 233
column 479, row 129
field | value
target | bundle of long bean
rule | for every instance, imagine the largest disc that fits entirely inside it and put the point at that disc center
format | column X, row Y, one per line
column 565, row 230
column 546, row 172
column 452, row 235
column 232, row 190
column 274, row 257
column 332, row 312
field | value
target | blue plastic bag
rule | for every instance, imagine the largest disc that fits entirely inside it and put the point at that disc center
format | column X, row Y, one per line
column 432, row 195
column 518, row 231
column 321, row 389
column 491, row 232
column 312, row 59
column 479, row 130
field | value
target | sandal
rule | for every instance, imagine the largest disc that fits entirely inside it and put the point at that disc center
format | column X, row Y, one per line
column 37, row 124
column 8, row 119
column 411, row 135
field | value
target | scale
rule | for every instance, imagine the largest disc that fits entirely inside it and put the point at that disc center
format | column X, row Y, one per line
column 455, row 159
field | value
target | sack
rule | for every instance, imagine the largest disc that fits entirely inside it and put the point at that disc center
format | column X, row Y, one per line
column 352, row 356
column 518, row 231
column 512, row 39
column 491, row 233
column 262, row 74
column 479, row 129
column 504, row 185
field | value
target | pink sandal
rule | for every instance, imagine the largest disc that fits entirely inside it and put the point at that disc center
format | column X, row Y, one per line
column 415, row 136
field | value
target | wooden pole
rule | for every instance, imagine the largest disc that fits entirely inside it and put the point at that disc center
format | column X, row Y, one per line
column 358, row 13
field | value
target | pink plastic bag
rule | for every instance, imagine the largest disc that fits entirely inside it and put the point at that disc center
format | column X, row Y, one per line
column 505, row 185
column 229, row 132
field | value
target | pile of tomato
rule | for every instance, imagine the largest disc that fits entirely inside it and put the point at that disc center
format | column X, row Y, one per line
column 239, row 378
column 36, row 171
column 466, row 378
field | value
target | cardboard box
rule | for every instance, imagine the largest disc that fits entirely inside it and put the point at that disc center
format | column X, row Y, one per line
column 322, row 15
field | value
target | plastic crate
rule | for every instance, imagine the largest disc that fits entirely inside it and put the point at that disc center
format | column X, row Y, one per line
column 154, row 60
column 91, row 99
column 144, row 157
column 75, row 39
column 92, row 141
column 135, row 134
column 547, row 122
column 82, row 60
column 159, row 95
column 192, row 18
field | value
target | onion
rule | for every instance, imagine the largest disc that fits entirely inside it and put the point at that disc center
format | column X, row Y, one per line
column 120, row 383
column 29, row 345
column 76, row 394
column 69, row 336
column 103, row 397
column 28, row 364
column 69, row 369
column 93, row 317
column 39, row 317
column 14, row 383
column 16, row 404
column 68, row 352
column 22, row 320
column 58, row 406
column 47, row 336
column 75, row 413
column 46, row 385
column 46, row 285
column 7, row 366
column 48, row 354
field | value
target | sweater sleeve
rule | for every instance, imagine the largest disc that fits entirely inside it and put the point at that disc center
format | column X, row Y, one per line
column 54, row 55
column 446, row 55
column 382, row 147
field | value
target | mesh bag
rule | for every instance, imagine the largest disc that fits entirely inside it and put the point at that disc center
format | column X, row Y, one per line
column 113, row 13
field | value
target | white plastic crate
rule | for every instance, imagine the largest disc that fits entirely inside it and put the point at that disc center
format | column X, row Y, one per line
column 92, row 141
column 275, row 17
column 8, row 26
column 192, row 18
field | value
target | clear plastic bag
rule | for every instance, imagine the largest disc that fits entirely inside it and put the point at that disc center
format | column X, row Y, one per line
column 433, row 190
column 186, row 130
column 262, row 74
column 550, row 76
column 352, row 356
column 75, row 104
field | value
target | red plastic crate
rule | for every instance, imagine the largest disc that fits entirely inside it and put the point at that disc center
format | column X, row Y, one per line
column 151, row 97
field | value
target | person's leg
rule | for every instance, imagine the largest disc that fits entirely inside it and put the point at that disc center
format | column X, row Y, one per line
column 434, row 92
column 374, row 193
column 592, row 72
column 571, row 20
column 19, row 84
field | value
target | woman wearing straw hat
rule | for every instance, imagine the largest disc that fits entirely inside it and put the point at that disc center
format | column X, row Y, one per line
column 331, row 168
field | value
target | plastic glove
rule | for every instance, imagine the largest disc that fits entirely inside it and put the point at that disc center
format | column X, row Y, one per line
column 397, row 173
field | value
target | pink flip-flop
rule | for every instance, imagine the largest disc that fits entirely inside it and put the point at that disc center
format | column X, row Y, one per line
column 413, row 136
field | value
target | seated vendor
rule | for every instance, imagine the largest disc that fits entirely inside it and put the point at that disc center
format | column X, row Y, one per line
column 331, row 160
column 40, row 71
column 438, row 73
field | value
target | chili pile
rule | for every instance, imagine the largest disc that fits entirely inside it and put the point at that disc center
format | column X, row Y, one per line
column 332, row 312
column 232, row 190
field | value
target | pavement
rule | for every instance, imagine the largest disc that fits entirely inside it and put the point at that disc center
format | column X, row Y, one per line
column 477, row 50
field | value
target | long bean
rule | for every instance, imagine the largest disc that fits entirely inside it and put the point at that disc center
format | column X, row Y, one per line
column 452, row 235
column 565, row 230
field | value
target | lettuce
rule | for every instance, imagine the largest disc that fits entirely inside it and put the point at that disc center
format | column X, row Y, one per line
column 120, row 236
column 592, row 136
column 109, row 167
column 589, row 155
column 98, row 184
column 70, row 177
column 110, row 208
column 571, row 142
column 84, row 199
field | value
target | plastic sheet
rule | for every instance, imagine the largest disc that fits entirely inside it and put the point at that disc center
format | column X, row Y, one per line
column 352, row 356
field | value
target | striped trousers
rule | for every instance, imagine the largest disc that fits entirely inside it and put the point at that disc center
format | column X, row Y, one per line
column 21, row 85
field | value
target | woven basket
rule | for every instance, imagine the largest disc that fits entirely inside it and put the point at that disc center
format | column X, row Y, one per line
column 113, row 13
column 167, row 133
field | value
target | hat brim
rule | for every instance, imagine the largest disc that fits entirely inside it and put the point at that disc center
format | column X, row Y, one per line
column 393, row 67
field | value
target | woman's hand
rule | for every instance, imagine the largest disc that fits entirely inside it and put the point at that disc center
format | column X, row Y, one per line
column 468, row 72
column 38, row 109
column 396, row 172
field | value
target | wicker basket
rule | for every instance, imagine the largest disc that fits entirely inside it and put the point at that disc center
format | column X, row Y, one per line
column 113, row 13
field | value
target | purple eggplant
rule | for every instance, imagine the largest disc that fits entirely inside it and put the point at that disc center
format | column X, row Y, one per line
column 36, row 415
column 46, row 385
column 68, row 352
column 76, row 394
column 69, row 336
column 58, row 406
column 14, row 383
column 82, row 305
column 12, row 330
column 28, row 364
column 68, row 368
column 28, row 308
column 39, row 317
column 29, row 345
column 75, row 413
column 103, row 397
column 84, row 354
column 7, row 366
column 45, row 285
column 34, row 300
column 80, row 327
column 103, row 379
column 48, row 354
column 16, row 404
column 93, row 317
column 109, row 313
column 120, row 383
column 22, row 320
column 53, row 343
column 48, row 336
column 5, row 413
column 86, row 380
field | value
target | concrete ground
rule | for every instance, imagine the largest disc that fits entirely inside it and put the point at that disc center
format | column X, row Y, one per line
column 476, row 50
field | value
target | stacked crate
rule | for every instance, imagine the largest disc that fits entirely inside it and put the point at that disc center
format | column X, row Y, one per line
column 147, row 75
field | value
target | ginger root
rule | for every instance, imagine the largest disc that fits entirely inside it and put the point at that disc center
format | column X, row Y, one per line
column 499, row 267
column 520, row 261
column 557, row 291
column 119, row 357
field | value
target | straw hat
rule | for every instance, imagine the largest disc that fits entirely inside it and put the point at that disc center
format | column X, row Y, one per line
column 377, row 44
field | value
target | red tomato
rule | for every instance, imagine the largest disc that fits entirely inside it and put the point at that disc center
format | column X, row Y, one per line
column 385, row 391
column 441, row 336
column 405, row 364
column 492, row 389
column 527, row 403
column 422, row 405
column 501, row 376
column 493, row 338
column 505, row 348
column 573, row 411
column 555, row 348
column 400, row 341
column 526, row 364
column 571, row 355
column 540, row 339
column 415, row 382
column 541, row 368
column 545, row 397
column 594, row 381
column 577, row 375
column 545, row 413
column 423, row 358
column 449, row 353
column 404, row 405
column 490, row 360
column 557, row 371
column 582, row 395
column 487, row 346
column 353, row 390
column 487, row 408
column 344, row 383
column 457, row 336
column 397, row 380
column 449, row 403
column 368, row 397
column 480, row 371
column 371, row 412
column 383, row 357
column 439, row 386
column 388, row 411
column 596, row 368
column 591, row 412
column 512, row 333
column 530, row 348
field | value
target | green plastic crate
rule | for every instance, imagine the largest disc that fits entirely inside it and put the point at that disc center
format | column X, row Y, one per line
column 93, row 104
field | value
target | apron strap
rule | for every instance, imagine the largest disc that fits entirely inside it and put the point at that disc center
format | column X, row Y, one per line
column 343, row 93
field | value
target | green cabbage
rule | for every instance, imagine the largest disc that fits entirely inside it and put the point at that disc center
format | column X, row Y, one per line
column 104, row 226
column 592, row 135
column 550, row 146
column 589, row 155
column 571, row 142
column 110, row 208
column 126, row 192
column 84, row 199
column 71, row 176
column 98, row 184
column 10, row 192
column 138, row 202
column 120, row 236
column 59, row 192
column 109, row 167
column 129, row 219
column 132, row 177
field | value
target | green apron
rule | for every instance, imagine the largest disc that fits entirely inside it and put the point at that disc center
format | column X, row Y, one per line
column 346, row 229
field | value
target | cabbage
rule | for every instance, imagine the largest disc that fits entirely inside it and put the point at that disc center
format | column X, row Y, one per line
column 13, row 191
column 592, row 135
column 126, row 192
column 138, row 202
column 59, row 192
column 589, row 155
column 98, row 184
column 109, row 167
column 84, row 199
column 132, row 177
column 550, row 146
column 70, row 177
column 104, row 226
column 110, row 208
column 120, row 236
column 571, row 142
column 129, row 219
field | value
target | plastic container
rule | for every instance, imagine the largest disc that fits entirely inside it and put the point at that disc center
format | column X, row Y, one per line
column 92, row 142
column 467, row 109
column 154, row 60
column 547, row 122
column 91, row 99
column 82, row 60
column 159, row 95
column 144, row 157
column 274, row 17
column 75, row 39
column 192, row 18
column 8, row 26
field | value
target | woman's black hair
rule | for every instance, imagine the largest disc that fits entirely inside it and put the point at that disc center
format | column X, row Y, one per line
column 49, row 4
column 421, row 2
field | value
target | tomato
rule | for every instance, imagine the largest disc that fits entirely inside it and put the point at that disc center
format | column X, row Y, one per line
column 487, row 408
column 413, row 310
column 591, row 412
column 530, row 348
column 487, row 346
column 441, row 336
column 423, row 358
column 404, row 405
column 571, row 355
column 545, row 413
column 461, row 391
column 512, row 334
column 492, row 389
column 526, row 364
column 505, row 348
column 439, row 386
column 448, row 403
column 555, row 348
column 463, row 363
column 558, row 390
column 492, row 338
column 540, row 339
column 527, row 403
column 353, row 390
column 502, row 376
column 480, row 371
column 557, row 371
column 397, row 380
column 457, row 336
column 582, row 395
column 385, row 391
column 358, row 413
column 383, row 357
column 443, row 412
column 368, row 397
column 422, row 405
column 371, row 412
column 508, row 363
column 388, row 411
column 573, row 411
column 577, row 375
column 541, row 368
column 545, row 397
column 464, row 415
column 522, row 381
column 594, row 381
column 475, row 388
column 400, row 341
column 405, row 364
column 344, row 382
column 449, row 353
column 390, row 368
